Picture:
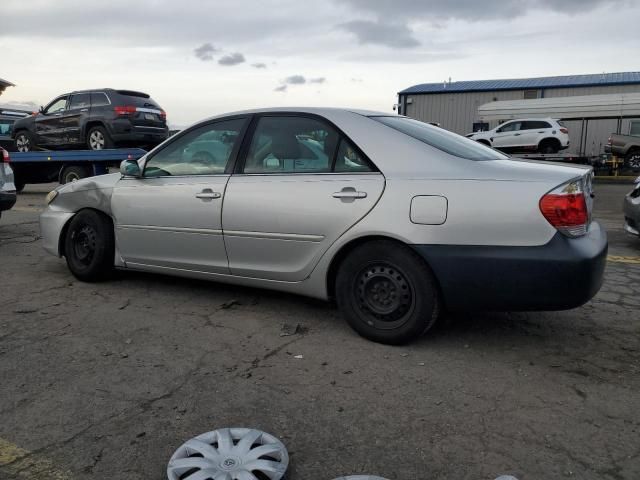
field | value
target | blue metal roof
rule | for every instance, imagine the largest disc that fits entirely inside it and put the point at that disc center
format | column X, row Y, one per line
column 598, row 79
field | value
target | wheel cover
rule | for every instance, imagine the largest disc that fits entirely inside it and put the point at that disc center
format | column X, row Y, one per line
column 230, row 454
column 84, row 244
column 96, row 140
column 23, row 143
column 384, row 295
column 634, row 161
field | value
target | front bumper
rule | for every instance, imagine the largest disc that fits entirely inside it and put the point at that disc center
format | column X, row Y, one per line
column 7, row 200
column 565, row 273
column 632, row 212
column 52, row 222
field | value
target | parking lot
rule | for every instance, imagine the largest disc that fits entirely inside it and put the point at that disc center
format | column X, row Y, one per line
column 107, row 380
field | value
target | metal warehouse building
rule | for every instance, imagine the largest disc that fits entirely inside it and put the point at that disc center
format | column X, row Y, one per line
column 454, row 105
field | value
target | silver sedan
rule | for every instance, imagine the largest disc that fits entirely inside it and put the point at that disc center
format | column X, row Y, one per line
column 393, row 218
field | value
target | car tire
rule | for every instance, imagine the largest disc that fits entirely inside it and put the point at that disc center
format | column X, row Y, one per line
column 98, row 139
column 73, row 173
column 632, row 160
column 89, row 246
column 548, row 147
column 387, row 293
column 24, row 141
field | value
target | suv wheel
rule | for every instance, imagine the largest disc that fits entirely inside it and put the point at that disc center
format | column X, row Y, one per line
column 548, row 146
column 632, row 160
column 98, row 139
column 387, row 292
column 24, row 141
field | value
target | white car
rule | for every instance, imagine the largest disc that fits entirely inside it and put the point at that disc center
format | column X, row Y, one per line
column 394, row 218
column 543, row 135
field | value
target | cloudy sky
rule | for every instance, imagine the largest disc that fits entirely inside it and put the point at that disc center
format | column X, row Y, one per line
column 203, row 57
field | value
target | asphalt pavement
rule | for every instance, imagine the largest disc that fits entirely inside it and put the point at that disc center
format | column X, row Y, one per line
column 107, row 380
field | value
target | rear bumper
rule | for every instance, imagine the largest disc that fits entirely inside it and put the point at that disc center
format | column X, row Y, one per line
column 565, row 273
column 7, row 200
column 123, row 131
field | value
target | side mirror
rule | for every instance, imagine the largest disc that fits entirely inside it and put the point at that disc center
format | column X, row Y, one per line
column 130, row 168
column 41, row 109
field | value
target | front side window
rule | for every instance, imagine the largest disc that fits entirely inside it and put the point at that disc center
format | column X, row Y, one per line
column 291, row 145
column 57, row 106
column 443, row 140
column 80, row 100
column 205, row 150
column 509, row 127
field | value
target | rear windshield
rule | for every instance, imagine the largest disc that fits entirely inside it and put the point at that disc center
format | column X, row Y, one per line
column 439, row 138
column 138, row 99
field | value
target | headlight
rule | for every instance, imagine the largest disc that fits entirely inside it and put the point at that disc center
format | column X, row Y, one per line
column 51, row 196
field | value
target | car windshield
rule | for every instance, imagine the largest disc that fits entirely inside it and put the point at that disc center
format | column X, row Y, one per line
column 442, row 139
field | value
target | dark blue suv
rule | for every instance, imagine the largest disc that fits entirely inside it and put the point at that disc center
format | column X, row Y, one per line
column 93, row 119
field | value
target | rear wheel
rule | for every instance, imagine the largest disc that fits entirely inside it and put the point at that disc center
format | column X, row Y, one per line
column 548, row 146
column 73, row 173
column 98, row 139
column 387, row 293
column 632, row 160
column 24, row 141
column 89, row 246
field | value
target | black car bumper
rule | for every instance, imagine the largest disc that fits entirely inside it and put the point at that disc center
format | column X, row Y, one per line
column 7, row 200
column 565, row 273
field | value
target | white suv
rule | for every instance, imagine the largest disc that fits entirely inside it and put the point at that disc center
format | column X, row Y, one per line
column 544, row 135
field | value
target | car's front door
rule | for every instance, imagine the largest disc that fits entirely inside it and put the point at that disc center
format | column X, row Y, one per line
column 171, row 217
column 48, row 125
column 71, row 119
column 506, row 136
column 301, row 186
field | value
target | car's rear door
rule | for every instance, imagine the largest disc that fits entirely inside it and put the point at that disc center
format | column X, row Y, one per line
column 532, row 131
column 171, row 217
column 300, row 186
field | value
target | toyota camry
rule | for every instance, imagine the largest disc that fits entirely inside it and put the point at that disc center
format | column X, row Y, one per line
column 395, row 219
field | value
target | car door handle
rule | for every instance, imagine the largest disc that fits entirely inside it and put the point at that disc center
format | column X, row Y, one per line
column 516, row 134
column 349, row 192
column 84, row 110
column 208, row 194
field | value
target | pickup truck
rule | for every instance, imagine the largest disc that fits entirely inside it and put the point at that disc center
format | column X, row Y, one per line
column 626, row 146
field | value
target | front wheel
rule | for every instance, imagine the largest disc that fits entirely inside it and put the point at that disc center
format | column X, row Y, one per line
column 632, row 160
column 25, row 141
column 89, row 246
column 387, row 292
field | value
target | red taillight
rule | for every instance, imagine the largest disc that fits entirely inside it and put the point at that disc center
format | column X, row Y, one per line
column 124, row 109
column 564, row 130
column 566, row 208
column 5, row 156
column 163, row 115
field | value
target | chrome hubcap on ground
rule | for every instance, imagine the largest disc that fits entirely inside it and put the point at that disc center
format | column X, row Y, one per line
column 96, row 140
column 384, row 295
column 230, row 454
column 84, row 244
column 22, row 143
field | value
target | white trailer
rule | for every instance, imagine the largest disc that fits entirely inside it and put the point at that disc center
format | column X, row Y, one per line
column 589, row 118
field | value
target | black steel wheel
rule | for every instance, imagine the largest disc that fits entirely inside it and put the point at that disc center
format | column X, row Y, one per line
column 387, row 292
column 73, row 173
column 89, row 246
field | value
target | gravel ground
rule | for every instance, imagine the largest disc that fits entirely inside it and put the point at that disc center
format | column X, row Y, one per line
column 107, row 380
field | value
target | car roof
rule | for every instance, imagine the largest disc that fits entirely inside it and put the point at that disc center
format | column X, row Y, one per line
column 322, row 111
column 530, row 119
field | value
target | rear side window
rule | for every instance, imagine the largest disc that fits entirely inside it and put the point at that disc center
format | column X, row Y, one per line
column 534, row 125
column 634, row 129
column 6, row 126
column 292, row 144
column 443, row 140
column 80, row 100
column 99, row 99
